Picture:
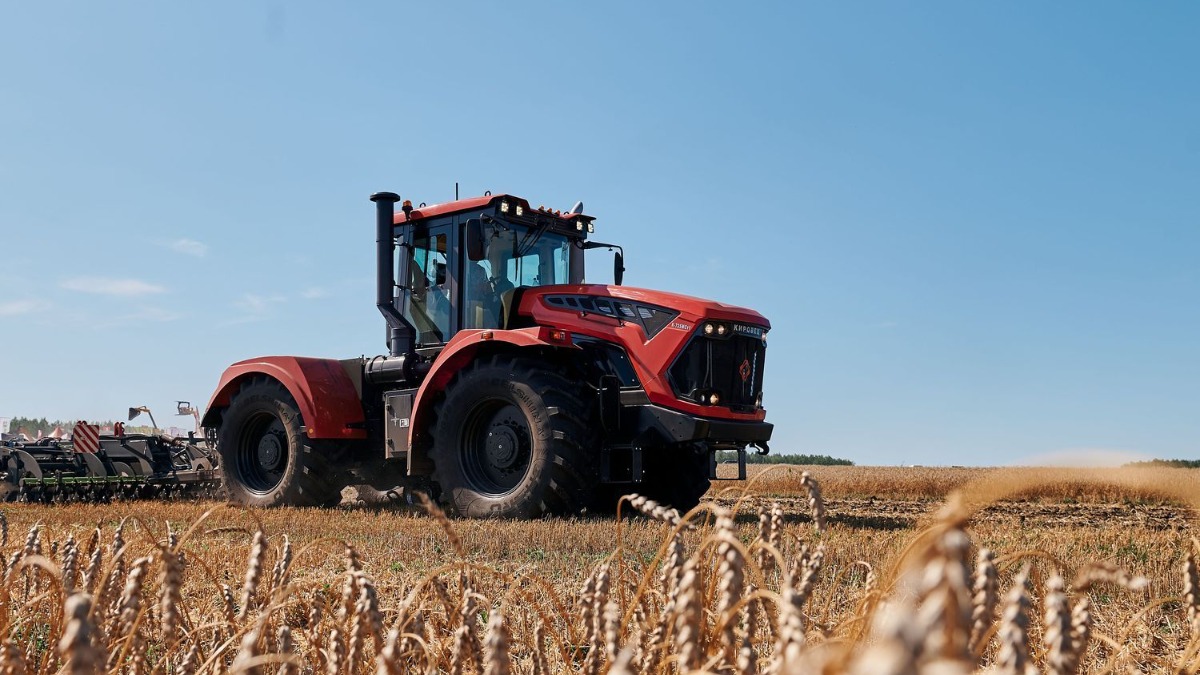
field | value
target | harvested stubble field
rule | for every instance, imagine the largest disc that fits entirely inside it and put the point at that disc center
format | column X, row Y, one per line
column 1090, row 571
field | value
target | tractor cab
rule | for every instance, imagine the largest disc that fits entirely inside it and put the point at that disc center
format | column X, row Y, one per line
column 462, row 264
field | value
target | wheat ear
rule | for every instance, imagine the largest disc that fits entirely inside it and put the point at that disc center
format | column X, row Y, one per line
column 983, row 611
column 1014, row 627
column 78, row 646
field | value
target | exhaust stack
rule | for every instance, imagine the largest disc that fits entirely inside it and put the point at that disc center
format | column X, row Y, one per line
column 401, row 335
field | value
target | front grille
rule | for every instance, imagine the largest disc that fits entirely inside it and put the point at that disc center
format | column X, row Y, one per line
column 730, row 366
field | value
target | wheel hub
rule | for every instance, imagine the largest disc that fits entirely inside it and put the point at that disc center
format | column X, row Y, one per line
column 498, row 447
column 502, row 446
column 270, row 452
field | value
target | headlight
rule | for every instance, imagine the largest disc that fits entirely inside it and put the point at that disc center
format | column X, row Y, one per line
column 520, row 210
column 709, row 328
column 722, row 329
column 579, row 225
column 714, row 398
column 591, row 227
column 503, row 207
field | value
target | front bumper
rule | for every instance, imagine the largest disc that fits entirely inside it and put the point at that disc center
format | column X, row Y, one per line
column 678, row 427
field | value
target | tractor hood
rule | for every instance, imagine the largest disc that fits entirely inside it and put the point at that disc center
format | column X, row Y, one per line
column 690, row 308
column 686, row 353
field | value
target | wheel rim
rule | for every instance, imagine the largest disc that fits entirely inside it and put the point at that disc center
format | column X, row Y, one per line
column 497, row 447
column 261, row 454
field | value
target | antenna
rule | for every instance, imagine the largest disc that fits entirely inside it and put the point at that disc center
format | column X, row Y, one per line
column 455, row 190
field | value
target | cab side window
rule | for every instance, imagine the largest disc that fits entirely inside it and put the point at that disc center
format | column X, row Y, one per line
column 428, row 307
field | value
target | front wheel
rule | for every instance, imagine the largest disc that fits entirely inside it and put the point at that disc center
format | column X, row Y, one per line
column 514, row 439
column 266, row 457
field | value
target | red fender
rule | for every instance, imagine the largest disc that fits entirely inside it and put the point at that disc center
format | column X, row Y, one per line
column 329, row 403
column 458, row 353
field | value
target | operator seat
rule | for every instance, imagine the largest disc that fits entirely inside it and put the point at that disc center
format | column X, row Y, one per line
column 504, row 290
column 506, row 308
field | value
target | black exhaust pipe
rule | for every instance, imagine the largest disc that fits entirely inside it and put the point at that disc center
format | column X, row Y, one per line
column 402, row 335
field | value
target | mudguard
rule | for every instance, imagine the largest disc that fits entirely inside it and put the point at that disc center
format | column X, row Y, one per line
column 329, row 403
column 463, row 348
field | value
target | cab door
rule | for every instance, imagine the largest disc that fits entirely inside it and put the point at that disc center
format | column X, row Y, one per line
column 430, row 291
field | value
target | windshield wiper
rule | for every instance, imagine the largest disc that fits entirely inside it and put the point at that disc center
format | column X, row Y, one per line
column 531, row 237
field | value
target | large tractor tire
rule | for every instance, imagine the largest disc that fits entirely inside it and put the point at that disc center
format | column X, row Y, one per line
column 266, row 458
column 677, row 477
column 513, row 439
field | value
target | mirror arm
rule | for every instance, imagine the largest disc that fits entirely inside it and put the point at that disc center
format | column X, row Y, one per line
column 586, row 245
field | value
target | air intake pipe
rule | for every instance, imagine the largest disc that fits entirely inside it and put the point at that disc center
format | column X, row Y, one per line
column 401, row 335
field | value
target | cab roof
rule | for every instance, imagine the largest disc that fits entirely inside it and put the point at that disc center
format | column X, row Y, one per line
column 476, row 203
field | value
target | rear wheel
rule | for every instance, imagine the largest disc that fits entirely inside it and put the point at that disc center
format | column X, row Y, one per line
column 514, row 440
column 267, row 458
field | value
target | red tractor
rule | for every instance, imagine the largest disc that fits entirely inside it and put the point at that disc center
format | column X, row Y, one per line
column 510, row 387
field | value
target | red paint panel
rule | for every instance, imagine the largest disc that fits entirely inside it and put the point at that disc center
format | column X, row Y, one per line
column 458, row 353
column 651, row 358
column 325, row 395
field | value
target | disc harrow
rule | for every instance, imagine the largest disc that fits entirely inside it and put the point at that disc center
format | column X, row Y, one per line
column 125, row 467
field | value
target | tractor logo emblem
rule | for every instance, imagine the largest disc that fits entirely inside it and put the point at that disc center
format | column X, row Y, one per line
column 744, row 370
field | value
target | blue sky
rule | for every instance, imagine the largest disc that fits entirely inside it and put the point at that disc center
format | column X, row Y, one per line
column 974, row 227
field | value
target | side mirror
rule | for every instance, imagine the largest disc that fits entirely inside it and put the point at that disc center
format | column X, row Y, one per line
column 475, row 240
column 618, row 268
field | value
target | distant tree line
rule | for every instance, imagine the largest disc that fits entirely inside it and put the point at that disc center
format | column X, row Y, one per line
column 32, row 426
column 1173, row 463
column 754, row 458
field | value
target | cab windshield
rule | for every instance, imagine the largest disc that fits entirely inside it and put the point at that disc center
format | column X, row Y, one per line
column 513, row 258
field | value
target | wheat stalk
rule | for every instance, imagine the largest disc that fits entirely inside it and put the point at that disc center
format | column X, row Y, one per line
column 95, row 561
column 1057, row 633
column 171, row 594
column 1014, row 627
column 280, row 571
column 350, row 583
column 336, row 653
column 945, row 614
column 254, row 565
column 612, row 631
column 1081, row 631
column 70, row 566
column 78, row 645
column 439, row 517
column 689, row 616
column 1191, row 590
column 248, row 652
column 495, row 648
column 1107, row 573
column 763, row 555
column 283, row 641
column 816, row 503
column 983, row 611
column 130, row 602
column 654, row 510
column 12, row 661
column 730, row 578
column 540, row 664
column 190, row 661
column 747, row 659
column 388, row 661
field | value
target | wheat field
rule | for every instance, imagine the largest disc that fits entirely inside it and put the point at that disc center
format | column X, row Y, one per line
column 842, row 569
